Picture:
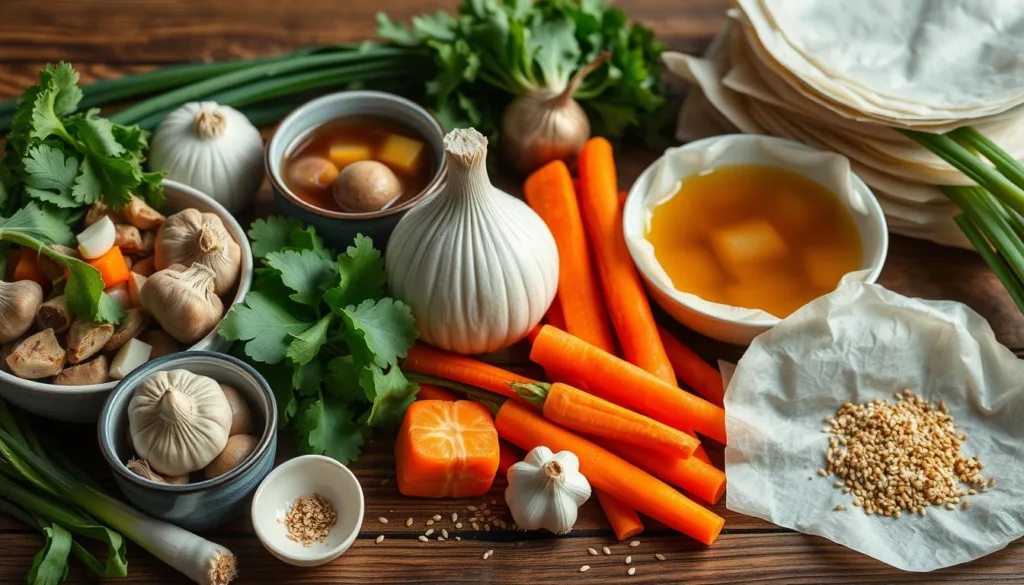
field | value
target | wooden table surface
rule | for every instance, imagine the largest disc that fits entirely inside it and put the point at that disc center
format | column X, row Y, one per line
column 111, row 37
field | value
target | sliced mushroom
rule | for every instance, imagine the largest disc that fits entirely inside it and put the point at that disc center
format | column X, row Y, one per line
column 38, row 356
column 55, row 314
column 141, row 215
column 145, row 267
column 91, row 372
column 85, row 338
column 50, row 267
column 135, row 320
column 161, row 342
column 100, row 210
column 128, row 238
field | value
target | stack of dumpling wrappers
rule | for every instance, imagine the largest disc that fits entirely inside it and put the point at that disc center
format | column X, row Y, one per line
column 842, row 76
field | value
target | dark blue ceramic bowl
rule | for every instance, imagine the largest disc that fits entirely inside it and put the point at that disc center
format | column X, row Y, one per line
column 205, row 504
column 339, row 228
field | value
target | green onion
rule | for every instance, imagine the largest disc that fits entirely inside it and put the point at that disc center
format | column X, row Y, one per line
column 995, row 261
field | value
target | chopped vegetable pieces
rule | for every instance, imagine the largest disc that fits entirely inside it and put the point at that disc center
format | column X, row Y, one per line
column 112, row 267
column 446, row 450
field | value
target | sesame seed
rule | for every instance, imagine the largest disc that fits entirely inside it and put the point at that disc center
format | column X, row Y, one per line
column 489, row 553
column 380, row 539
column 487, row 527
column 408, row 521
column 436, row 517
column 631, row 571
column 382, row 520
column 471, row 508
column 635, row 543
column 458, row 538
column 455, row 517
column 429, row 531
column 584, row 568
column 950, row 506
column 606, row 550
column 592, row 552
column 629, row 559
column 839, row 508
column 444, row 533
column 423, row 538
column 822, row 472
column 475, row 526
column 966, row 505
column 659, row 556
column 440, row 539
column 458, row 524
column 992, row 482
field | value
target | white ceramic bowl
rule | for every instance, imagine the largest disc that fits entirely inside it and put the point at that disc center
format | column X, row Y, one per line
column 84, row 403
column 305, row 476
column 746, row 149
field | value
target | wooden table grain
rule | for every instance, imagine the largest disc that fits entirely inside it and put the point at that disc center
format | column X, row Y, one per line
column 111, row 37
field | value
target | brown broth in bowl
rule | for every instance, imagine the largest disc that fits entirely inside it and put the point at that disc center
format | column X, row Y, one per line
column 313, row 162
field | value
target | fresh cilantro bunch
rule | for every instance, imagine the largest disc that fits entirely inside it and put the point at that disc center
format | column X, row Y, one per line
column 494, row 50
column 319, row 327
column 66, row 161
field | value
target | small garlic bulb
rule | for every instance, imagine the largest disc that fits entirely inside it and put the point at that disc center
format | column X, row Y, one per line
column 192, row 236
column 545, row 490
column 18, row 304
column 183, row 302
column 478, row 267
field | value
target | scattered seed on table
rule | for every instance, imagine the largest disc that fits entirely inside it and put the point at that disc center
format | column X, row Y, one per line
column 455, row 517
column 408, row 521
column 606, row 550
column 458, row 524
column 635, row 543
column 382, row 520
column 380, row 539
column 592, row 552
column 436, row 517
column 629, row 559
column 966, row 505
column 584, row 568
column 471, row 508
column 839, row 508
column 489, row 554
column 429, row 522
column 440, row 539
column 487, row 527
column 822, row 472
column 659, row 556
column 458, row 538
column 631, row 571
column 423, row 538
column 429, row 531
column 444, row 532
column 950, row 506
column 837, row 484
column 475, row 526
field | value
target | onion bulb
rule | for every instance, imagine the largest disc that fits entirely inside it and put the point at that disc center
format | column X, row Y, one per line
column 547, row 124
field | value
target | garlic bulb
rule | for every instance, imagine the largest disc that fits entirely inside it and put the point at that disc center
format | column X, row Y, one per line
column 192, row 236
column 545, row 490
column 183, row 302
column 478, row 267
column 213, row 148
column 179, row 421
column 19, row 302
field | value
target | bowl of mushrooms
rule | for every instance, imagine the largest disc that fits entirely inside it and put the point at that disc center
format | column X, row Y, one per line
column 190, row 436
column 187, row 264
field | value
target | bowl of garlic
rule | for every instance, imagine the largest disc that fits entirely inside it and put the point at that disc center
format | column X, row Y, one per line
column 189, row 262
column 190, row 436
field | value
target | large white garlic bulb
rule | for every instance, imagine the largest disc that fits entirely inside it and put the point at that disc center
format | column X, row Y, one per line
column 546, row 490
column 478, row 267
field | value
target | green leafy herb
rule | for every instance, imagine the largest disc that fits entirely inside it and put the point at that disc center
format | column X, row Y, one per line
column 317, row 324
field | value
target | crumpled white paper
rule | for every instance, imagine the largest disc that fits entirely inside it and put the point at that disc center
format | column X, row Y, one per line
column 856, row 344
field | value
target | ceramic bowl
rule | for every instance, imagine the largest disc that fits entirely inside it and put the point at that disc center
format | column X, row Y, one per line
column 83, row 403
column 204, row 504
column 305, row 476
column 339, row 228
column 754, row 150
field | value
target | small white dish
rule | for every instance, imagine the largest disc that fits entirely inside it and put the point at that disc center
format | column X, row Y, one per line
column 305, row 476
column 660, row 181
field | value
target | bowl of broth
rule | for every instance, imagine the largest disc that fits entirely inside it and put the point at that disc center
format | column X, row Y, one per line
column 354, row 162
column 734, row 233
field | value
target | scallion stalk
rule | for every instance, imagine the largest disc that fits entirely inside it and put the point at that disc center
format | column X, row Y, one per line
column 996, row 262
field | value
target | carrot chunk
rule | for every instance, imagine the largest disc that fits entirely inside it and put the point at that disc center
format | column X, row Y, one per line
column 112, row 267
column 446, row 450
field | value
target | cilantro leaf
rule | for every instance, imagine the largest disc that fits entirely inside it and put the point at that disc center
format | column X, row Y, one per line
column 86, row 189
column 118, row 178
column 44, row 119
column 133, row 139
column 49, row 176
column 152, row 188
column 64, row 78
column 305, row 272
column 306, row 238
column 304, row 346
column 391, row 393
column 343, row 379
column 95, row 133
column 307, row 378
column 265, row 323
column 379, row 332
column 35, row 222
column 362, row 276
column 328, row 427
column 270, row 234
column 84, row 292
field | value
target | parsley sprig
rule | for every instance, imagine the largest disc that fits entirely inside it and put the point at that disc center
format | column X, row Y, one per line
column 319, row 327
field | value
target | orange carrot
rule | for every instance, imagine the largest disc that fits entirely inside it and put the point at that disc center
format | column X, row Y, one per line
column 577, row 410
column 429, row 360
column 692, row 370
column 507, row 457
column 550, row 193
column 622, row 383
column 627, row 303
column 112, row 267
column 432, row 392
column 693, row 475
column 27, row 268
column 446, row 450
column 618, row 478
column 623, row 519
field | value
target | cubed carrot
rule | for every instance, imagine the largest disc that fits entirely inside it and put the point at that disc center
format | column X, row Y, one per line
column 446, row 450
column 401, row 153
column 27, row 268
column 344, row 154
column 112, row 267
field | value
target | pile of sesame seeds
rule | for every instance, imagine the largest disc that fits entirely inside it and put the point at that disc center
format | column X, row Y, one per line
column 900, row 456
column 309, row 519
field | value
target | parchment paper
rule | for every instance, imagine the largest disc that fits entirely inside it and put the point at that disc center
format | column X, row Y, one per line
column 856, row 344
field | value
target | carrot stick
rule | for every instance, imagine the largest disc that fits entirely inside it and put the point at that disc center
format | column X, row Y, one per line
column 575, row 409
column 692, row 370
column 692, row 474
column 432, row 392
column 550, row 193
column 622, row 383
column 620, row 479
column 431, row 361
column 623, row 519
column 112, row 267
column 627, row 303
column 507, row 457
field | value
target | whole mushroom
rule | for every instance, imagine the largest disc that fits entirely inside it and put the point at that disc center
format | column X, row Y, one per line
column 366, row 186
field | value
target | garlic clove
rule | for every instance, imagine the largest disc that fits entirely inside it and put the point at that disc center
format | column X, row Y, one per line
column 19, row 302
column 135, row 283
column 132, row 354
column 97, row 239
column 241, row 414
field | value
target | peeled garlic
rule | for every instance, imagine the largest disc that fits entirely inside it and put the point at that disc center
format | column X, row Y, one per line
column 183, row 302
column 194, row 237
column 97, row 239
